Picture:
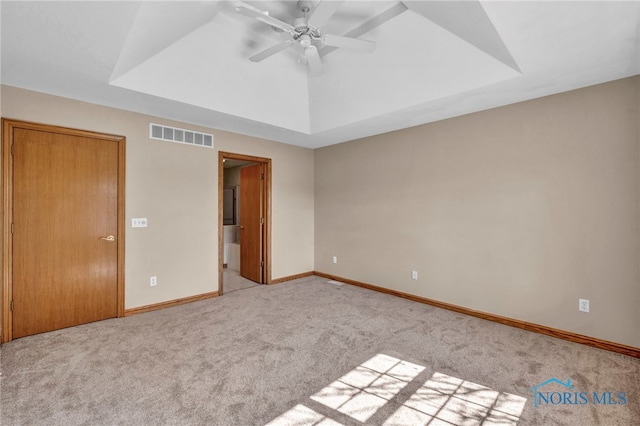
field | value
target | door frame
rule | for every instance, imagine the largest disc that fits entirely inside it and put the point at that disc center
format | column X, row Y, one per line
column 8, row 126
column 266, row 207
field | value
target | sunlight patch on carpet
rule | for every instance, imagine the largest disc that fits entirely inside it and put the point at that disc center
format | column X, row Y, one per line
column 442, row 399
column 301, row 416
column 457, row 402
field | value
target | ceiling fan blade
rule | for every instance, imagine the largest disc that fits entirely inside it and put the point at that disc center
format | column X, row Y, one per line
column 263, row 16
column 349, row 43
column 270, row 51
column 323, row 11
column 313, row 59
column 371, row 24
column 298, row 49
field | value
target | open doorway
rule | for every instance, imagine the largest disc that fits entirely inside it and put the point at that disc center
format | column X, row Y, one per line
column 244, row 221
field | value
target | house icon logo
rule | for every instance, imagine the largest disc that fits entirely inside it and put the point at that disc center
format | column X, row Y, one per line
column 537, row 393
column 568, row 395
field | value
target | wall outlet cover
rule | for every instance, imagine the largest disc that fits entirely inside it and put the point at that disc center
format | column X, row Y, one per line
column 583, row 305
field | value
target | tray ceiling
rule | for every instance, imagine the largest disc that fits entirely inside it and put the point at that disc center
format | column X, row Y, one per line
column 434, row 60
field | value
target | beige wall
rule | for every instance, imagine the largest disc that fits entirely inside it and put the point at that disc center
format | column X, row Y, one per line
column 517, row 211
column 176, row 187
column 232, row 176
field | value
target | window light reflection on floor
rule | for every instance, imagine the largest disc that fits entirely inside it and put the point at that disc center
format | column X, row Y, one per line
column 441, row 400
column 446, row 400
column 303, row 416
column 364, row 390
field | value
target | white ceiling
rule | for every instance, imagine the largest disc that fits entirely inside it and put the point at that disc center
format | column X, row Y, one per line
column 434, row 60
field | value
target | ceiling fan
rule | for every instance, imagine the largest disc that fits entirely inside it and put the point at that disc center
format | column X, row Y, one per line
column 305, row 34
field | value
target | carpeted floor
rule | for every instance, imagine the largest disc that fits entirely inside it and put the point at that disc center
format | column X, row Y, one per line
column 309, row 352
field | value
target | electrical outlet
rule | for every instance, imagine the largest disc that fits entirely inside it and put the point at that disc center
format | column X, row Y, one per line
column 414, row 275
column 335, row 259
column 153, row 281
column 583, row 305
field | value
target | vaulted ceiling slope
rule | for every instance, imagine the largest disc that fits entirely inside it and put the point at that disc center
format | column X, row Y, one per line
column 433, row 60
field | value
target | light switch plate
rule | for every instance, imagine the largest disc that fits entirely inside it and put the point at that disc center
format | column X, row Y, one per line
column 139, row 222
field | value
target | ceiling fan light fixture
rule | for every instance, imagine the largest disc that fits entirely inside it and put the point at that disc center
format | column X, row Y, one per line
column 313, row 60
column 305, row 41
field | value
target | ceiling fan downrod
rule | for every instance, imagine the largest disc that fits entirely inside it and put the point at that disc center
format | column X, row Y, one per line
column 304, row 31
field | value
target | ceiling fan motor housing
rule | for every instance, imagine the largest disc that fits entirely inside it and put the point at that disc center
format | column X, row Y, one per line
column 302, row 28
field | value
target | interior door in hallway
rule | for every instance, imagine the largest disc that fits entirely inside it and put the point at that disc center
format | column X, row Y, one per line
column 251, row 222
column 65, row 216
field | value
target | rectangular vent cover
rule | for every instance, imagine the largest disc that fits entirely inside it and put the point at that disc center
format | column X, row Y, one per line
column 174, row 134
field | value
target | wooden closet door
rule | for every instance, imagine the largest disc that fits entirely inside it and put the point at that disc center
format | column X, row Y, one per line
column 65, row 216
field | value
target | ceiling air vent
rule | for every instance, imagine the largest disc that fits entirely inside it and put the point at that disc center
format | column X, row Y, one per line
column 174, row 134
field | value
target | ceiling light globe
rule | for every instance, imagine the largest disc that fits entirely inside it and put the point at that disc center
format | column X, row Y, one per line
column 305, row 41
